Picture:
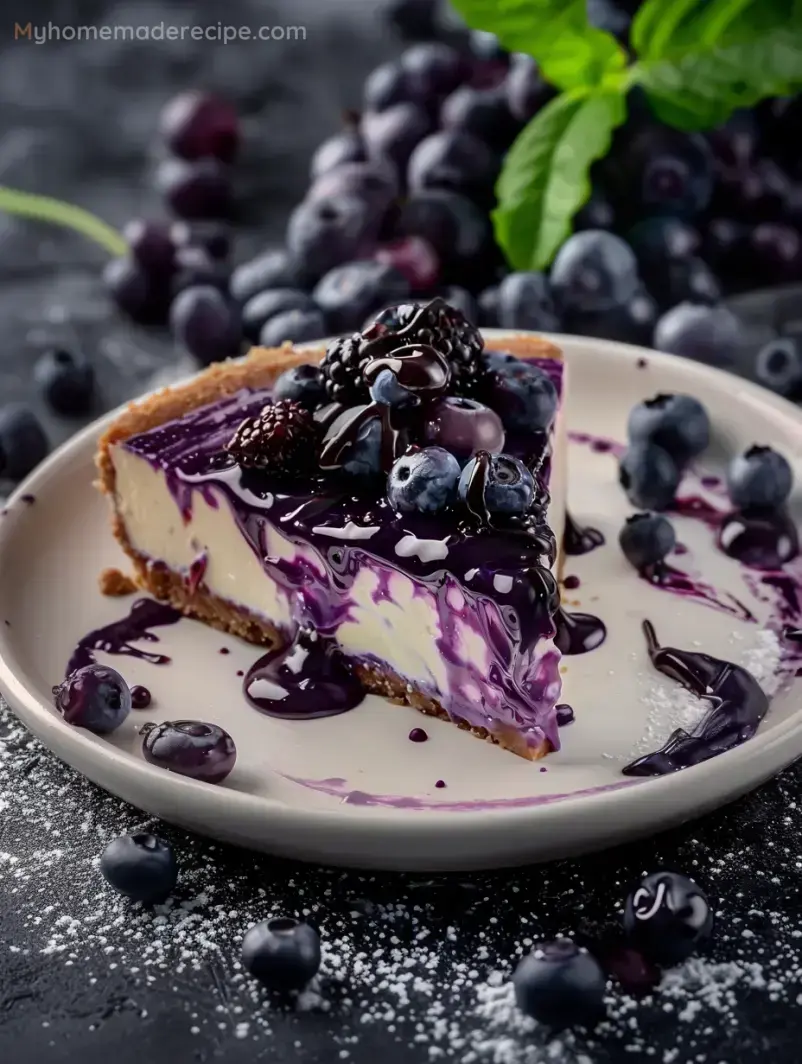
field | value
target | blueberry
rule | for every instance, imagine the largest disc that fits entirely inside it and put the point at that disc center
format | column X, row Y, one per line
column 594, row 271
column 282, row 953
column 347, row 146
column 707, row 334
column 677, row 423
column 143, row 867
column 95, row 697
column 463, row 427
column 646, row 539
column 520, row 392
column 23, row 443
column 597, row 213
column 295, row 326
column 510, row 486
column 649, row 476
column 759, row 479
column 387, row 391
column 269, row 304
column 191, row 748
column 488, row 307
column 454, row 226
column 456, row 161
column 67, row 382
column 213, row 237
column 425, row 480
column 525, row 88
column 560, row 985
column 349, row 293
column 323, row 233
column 206, row 323
column 364, row 458
column 271, row 269
column 395, row 132
column 374, row 183
column 143, row 296
column 525, row 302
column 484, row 113
column 668, row 917
column 690, row 280
column 151, row 244
column 196, row 124
column 193, row 267
column 385, row 86
column 779, row 366
column 302, row 384
column 656, row 241
column 195, row 190
column 665, row 172
column 432, row 70
column 632, row 322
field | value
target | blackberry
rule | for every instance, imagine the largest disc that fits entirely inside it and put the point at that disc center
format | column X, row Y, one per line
column 282, row 439
column 447, row 330
column 342, row 371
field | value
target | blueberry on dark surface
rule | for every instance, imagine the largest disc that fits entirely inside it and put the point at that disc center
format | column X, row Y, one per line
column 385, row 86
column 416, row 20
column 779, row 366
column 668, row 917
column 484, row 113
column 151, row 244
column 646, row 539
column 348, row 293
column 139, row 294
column 525, row 88
column 302, row 384
column 597, row 213
column 296, row 326
column 386, row 390
column 415, row 259
column 206, row 323
column 463, row 427
column 677, row 423
column 432, row 70
column 196, row 124
column 593, row 271
column 143, row 867
column 193, row 267
column 525, row 302
column 663, row 239
column 395, row 132
column 67, row 382
column 282, row 953
column 761, row 478
column 631, row 322
column 665, row 172
column 424, row 481
column 776, row 253
column 374, row 182
column 510, row 487
column 347, row 146
column 455, row 227
column 522, row 394
column 191, row 748
column 725, row 246
column 23, row 442
column 266, row 305
column 649, row 476
column 560, row 985
column 322, row 234
column 214, row 237
column 690, row 280
column 270, row 269
column 200, row 189
column 282, row 439
column 706, row 334
column 456, row 161
column 95, row 697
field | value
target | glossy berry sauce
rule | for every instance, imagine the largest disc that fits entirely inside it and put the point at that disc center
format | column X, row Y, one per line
column 580, row 540
column 117, row 637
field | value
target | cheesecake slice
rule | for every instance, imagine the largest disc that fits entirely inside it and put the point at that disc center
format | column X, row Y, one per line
column 451, row 612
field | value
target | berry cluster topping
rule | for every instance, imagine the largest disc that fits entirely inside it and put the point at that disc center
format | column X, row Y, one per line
column 283, row 438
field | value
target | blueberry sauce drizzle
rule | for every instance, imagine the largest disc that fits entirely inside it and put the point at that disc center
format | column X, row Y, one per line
column 669, row 578
column 117, row 637
column 140, row 697
column 565, row 714
column 578, row 633
column 738, row 705
column 417, row 735
column 307, row 679
column 578, row 539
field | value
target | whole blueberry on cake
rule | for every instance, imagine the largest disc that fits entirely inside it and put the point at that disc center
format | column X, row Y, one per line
column 395, row 502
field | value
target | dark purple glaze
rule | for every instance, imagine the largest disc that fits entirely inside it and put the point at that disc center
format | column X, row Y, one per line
column 117, row 637
column 759, row 540
column 571, row 583
column 29, row 499
column 641, row 363
column 309, row 678
column 140, row 697
column 197, row 571
column 565, row 714
column 578, row 633
column 669, row 578
column 439, row 783
column 737, row 706
column 699, row 509
column 579, row 540
column 223, row 650
column 418, row 735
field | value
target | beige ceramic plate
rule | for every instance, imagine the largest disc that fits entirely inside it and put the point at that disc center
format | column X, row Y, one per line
column 367, row 795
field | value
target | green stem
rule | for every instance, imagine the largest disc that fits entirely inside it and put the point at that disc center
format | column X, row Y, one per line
column 47, row 209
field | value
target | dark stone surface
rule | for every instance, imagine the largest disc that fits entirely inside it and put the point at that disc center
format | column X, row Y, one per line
column 77, row 122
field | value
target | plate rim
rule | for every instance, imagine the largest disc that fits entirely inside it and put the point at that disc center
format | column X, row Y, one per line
column 40, row 718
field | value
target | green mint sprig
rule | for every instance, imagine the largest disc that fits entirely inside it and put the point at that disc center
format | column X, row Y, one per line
column 47, row 209
column 696, row 62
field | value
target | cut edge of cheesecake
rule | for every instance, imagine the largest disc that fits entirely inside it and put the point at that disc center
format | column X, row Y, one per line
column 259, row 369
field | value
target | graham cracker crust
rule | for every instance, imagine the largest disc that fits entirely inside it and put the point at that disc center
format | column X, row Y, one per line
column 259, row 369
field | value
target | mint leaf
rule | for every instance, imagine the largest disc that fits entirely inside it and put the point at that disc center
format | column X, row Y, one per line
column 570, row 52
column 47, row 209
column 698, row 63
column 545, row 176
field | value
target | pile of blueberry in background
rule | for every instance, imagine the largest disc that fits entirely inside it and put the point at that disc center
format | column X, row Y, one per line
column 398, row 208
